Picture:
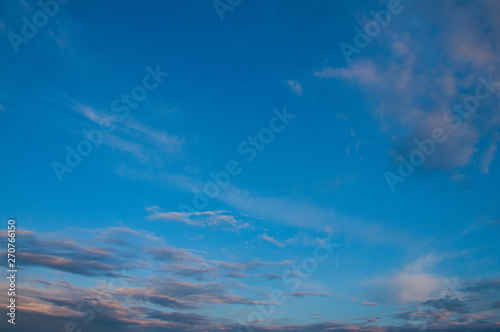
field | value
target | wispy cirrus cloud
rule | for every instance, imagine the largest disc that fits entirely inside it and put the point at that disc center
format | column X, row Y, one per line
column 138, row 140
column 220, row 218
column 305, row 294
column 371, row 304
column 365, row 72
column 272, row 240
column 296, row 214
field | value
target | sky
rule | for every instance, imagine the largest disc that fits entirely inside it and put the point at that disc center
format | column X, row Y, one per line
column 237, row 165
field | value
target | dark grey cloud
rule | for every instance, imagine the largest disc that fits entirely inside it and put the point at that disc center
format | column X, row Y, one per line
column 153, row 296
column 180, row 270
column 236, row 275
column 77, row 266
column 448, row 304
column 482, row 286
column 272, row 276
column 170, row 254
column 177, row 317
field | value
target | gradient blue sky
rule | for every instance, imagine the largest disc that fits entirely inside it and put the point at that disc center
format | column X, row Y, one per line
column 422, row 255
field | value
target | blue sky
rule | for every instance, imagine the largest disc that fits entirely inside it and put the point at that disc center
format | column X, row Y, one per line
column 115, row 119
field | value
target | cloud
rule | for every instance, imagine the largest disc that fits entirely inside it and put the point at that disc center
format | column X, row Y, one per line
column 272, row 240
column 219, row 218
column 272, row 276
column 144, row 143
column 177, row 317
column 182, row 216
column 468, row 41
column 236, row 275
column 89, row 308
column 188, row 271
column 304, row 294
column 448, row 304
column 489, row 155
column 481, row 222
column 373, row 304
column 482, row 286
column 134, row 309
column 69, row 257
column 413, row 287
column 93, row 115
column 152, row 208
column 161, row 139
column 178, row 280
column 290, row 212
column 252, row 265
column 413, row 90
column 171, row 254
column 458, row 305
column 296, row 87
column 410, row 284
column 342, row 117
column 153, row 296
column 365, row 72
column 121, row 245
column 422, row 316
column 88, row 268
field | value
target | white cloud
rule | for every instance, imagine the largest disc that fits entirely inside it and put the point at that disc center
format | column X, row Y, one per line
column 489, row 155
column 139, row 140
column 373, row 304
column 412, row 283
column 363, row 72
column 296, row 87
column 217, row 218
column 92, row 114
column 152, row 208
column 271, row 240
